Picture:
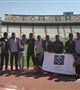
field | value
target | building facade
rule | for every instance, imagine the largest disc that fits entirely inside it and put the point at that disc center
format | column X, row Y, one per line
column 42, row 24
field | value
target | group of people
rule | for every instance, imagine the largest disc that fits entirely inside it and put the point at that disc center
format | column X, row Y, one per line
column 15, row 47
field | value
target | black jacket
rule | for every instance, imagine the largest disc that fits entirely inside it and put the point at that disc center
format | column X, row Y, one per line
column 49, row 46
column 31, row 45
column 58, row 47
column 4, row 45
column 70, row 47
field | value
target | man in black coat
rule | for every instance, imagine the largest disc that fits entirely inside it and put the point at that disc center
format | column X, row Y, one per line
column 47, row 44
column 30, row 49
column 70, row 45
column 58, row 45
column 4, row 51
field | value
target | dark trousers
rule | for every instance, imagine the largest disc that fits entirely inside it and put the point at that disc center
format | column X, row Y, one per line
column 39, row 60
column 30, row 54
column 77, row 70
column 4, row 56
column 14, row 54
column 78, row 67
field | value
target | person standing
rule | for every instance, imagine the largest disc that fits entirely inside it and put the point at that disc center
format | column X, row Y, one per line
column 30, row 49
column 38, row 44
column 22, row 51
column 14, row 46
column 77, row 50
column 70, row 45
column 58, row 45
column 4, row 51
column 47, row 44
column 39, row 51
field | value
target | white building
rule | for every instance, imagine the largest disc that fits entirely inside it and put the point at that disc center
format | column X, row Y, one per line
column 42, row 24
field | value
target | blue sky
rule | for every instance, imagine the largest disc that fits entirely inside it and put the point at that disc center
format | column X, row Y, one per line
column 38, row 7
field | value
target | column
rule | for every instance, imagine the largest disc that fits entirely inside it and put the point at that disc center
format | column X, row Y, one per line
column 7, row 29
column 33, row 30
column 58, row 30
column 64, row 32
column 71, row 29
column 45, row 31
column 20, row 31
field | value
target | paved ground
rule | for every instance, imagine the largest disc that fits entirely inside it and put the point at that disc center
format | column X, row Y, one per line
column 30, row 80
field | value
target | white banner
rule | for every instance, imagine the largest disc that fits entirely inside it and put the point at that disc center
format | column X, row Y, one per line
column 59, row 63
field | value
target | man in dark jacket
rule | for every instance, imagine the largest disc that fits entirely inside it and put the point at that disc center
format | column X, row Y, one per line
column 57, row 45
column 47, row 44
column 30, row 49
column 4, row 51
column 70, row 45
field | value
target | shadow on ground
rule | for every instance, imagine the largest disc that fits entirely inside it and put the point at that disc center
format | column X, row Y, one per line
column 36, row 75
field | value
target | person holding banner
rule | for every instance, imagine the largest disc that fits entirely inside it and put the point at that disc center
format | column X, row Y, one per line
column 77, row 49
column 70, row 45
column 39, row 53
column 38, row 44
column 57, row 45
column 47, row 44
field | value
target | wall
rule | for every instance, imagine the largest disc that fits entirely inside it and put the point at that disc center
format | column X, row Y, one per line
column 63, row 31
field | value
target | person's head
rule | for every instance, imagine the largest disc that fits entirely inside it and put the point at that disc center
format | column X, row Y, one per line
column 47, row 37
column 38, row 37
column 31, row 35
column 5, row 35
column 13, row 35
column 78, row 35
column 70, row 36
column 23, row 36
column 57, row 37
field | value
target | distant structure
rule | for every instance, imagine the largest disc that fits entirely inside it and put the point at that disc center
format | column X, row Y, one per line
column 42, row 24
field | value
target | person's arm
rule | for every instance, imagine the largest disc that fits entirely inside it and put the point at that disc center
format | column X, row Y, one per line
column 62, row 47
column 0, row 42
column 65, row 47
column 43, row 45
column 75, row 54
column 53, row 47
column 74, row 47
column 17, row 42
column 1, row 39
column 9, row 44
column 26, row 42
